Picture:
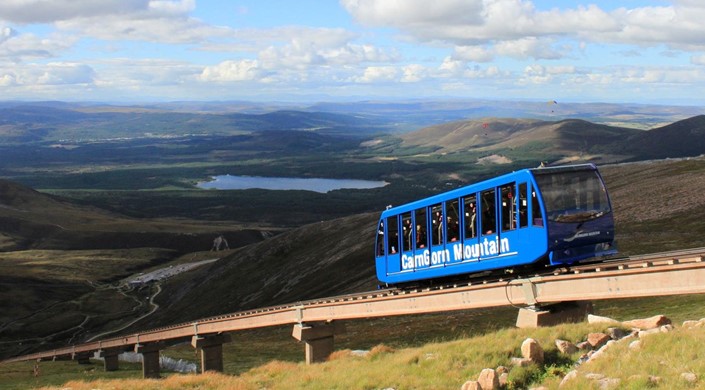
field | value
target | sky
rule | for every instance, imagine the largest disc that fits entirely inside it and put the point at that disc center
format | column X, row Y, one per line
column 620, row 51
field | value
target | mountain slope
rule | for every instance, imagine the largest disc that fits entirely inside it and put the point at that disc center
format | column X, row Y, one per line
column 318, row 260
column 682, row 138
column 570, row 140
column 32, row 220
column 335, row 257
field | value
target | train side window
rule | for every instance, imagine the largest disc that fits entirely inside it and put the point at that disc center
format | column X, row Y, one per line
column 406, row 229
column 452, row 223
column 393, row 232
column 536, row 210
column 470, row 209
column 523, row 206
column 437, row 224
column 488, row 217
column 420, row 230
column 508, row 216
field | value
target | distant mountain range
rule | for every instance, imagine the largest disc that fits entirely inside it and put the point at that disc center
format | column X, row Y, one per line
column 53, row 121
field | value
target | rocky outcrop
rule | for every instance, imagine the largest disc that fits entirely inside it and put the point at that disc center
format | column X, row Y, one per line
column 596, row 344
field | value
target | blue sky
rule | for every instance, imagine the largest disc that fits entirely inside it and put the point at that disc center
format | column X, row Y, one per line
column 637, row 51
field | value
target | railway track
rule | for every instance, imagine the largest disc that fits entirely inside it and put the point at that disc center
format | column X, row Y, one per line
column 665, row 273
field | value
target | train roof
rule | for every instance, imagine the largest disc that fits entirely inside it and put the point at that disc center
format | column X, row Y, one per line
column 478, row 186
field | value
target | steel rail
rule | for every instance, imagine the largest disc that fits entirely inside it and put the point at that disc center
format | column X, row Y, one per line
column 659, row 274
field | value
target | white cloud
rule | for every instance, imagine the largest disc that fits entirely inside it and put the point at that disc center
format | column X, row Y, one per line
column 473, row 53
column 304, row 47
column 525, row 48
column 420, row 14
column 48, row 11
column 414, row 73
column 378, row 74
column 16, row 47
column 55, row 73
column 242, row 70
column 507, row 22
column 6, row 33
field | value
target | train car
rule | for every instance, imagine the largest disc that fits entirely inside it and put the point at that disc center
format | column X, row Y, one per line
column 528, row 218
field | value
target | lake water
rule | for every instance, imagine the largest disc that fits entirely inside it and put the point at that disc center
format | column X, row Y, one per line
column 229, row 182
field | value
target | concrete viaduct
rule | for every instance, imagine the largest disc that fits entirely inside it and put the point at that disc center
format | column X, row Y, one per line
column 563, row 295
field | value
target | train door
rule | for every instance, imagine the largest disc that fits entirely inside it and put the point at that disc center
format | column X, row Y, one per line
column 407, row 241
column 392, row 240
column 453, row 244
column 471, row 228
column 437, row 227
column 509, row 220
column 488, row 223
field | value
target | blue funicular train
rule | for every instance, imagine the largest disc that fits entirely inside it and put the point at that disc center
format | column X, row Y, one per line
column 528, row 218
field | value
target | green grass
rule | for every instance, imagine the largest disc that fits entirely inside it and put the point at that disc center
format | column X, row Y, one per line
column 436, row 365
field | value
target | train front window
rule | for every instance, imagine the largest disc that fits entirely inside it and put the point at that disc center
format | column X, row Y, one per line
column 573, row 197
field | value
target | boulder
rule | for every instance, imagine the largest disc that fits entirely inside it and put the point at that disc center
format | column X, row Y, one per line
column 520, row 362
column 471, row 385
column 693, row 324
column 635, row 345
column 530, row 349
column 617, row 333
column 608, row 383
column 568, row 377
column 596, row 340
column 666, row 328
column 689, row 377
column 488, row 379
column 593, row 319
column 503, row 379
column 648, row 332
column 566, row 347
column 648, row 323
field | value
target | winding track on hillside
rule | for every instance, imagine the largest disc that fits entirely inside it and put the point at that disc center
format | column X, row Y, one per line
column 666, row 273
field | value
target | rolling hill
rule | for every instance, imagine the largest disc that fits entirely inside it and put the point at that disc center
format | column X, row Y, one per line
column 571, row 139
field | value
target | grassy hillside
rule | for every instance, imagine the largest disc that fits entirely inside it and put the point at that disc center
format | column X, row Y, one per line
column 62, row 265
column 332, row 257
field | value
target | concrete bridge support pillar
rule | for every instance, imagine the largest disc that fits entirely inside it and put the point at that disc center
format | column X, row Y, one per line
column 110, row 358
column 150, row 359
column 211, row 347
column 82, row 357
column 57, row 358
column 554, row 314
column 318, row 338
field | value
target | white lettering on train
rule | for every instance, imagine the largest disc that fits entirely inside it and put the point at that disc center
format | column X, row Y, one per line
column 460, row 252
